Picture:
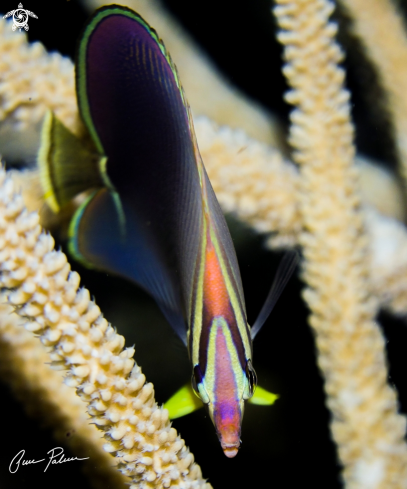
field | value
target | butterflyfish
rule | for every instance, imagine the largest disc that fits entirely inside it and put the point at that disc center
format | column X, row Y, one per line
column 150, row 213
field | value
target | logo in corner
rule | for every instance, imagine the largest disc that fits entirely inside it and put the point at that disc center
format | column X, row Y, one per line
column 20, row 17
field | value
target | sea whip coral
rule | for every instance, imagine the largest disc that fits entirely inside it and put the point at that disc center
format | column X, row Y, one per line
column 119, row 400
column 25, row 367
column 374, row 20
column 25, row 98
column 365, row 424
column 255, row 183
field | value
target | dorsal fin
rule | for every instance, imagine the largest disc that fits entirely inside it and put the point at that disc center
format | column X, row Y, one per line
column 133, row 106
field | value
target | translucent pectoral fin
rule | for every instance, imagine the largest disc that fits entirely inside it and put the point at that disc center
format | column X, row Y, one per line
column 183, row 402
column 261, row 397
column 285, row 269
column 67, row 166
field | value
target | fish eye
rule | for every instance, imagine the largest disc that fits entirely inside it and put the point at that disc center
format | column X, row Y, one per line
column 251, row 380
column 194, row 386
column 198, row 385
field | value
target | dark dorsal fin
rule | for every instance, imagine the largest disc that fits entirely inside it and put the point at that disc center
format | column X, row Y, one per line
column 133, row 106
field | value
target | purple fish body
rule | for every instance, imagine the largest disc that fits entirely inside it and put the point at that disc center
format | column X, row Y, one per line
column 151, row 215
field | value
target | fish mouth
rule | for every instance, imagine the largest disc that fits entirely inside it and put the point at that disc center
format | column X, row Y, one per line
column 230, row 450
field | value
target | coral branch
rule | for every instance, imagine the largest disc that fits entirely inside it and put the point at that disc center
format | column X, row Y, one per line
column 252, row 181
column 388, row 261
column 45, row 291
column 31, row 81
column 375, row 20
column 44, row 396
column 365, row 424
column 255, row 183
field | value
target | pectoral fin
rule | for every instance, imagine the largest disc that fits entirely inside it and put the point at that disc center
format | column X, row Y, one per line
column 285, row 269
column 67, row 166
column 261, row 397
column 183, row 402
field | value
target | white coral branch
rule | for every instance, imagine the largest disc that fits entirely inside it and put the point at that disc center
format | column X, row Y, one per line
column 365, row 425
column 25, row 367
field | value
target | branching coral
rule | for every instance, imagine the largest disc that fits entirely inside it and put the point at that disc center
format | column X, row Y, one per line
column 251, row 180
column 24, row 98
column 365, row 425
column 379, row 19
column 119, row 401
column 388, row 243
column 24, row 364
column 261, row 188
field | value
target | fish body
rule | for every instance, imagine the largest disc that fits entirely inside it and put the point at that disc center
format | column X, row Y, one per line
column 151, row 214
column 219, row 338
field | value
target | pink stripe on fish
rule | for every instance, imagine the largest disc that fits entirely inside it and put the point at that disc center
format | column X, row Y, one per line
column 227, row 415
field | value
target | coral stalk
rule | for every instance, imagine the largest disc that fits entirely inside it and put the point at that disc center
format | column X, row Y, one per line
column 256, row 184
column 120, row 402
column 24, row 366
column 25, row 98
column 365, row 424
column 31, row 82
column 380, row 28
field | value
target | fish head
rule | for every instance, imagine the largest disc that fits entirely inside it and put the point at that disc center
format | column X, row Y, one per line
column 227, row 417
column 223, row 388
column 225, row 409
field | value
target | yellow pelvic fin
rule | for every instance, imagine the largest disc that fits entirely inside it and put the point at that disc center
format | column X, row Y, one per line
column 261, row 397
column 67, row 165
column 183, row 402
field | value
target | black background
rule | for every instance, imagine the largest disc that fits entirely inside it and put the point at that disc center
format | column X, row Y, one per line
column 287, row 445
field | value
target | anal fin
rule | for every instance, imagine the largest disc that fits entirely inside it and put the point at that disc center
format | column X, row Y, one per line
column 67, row 165
column 106, row 234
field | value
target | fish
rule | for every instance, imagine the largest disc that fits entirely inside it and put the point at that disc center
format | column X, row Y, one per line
column 149, row 213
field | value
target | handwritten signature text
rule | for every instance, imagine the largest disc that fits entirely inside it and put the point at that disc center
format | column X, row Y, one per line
column 56, row 456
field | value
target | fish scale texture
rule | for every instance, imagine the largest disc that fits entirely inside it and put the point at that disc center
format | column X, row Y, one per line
column 46, row 292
